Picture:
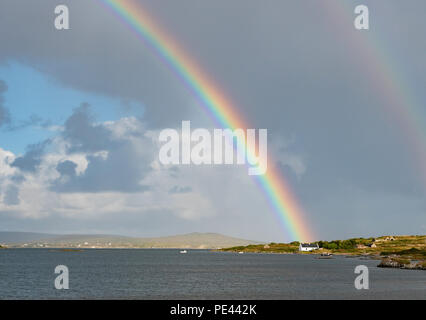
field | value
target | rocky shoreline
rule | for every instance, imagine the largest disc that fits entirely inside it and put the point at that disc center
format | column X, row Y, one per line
column 402, row 264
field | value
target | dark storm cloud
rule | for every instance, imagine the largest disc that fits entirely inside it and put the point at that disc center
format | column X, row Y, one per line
column 290, row 67
column 86, row 58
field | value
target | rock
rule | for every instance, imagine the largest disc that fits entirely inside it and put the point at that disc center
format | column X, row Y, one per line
column 390, row 263
column 402, row 264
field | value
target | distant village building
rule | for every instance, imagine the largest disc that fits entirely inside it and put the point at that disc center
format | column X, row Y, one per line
column 372, row 245
column 308, row 246
column 266, row 246
column 389, row 238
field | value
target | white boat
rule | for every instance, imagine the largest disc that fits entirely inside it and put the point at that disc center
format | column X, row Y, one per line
column 241, row 252
column 183, row 251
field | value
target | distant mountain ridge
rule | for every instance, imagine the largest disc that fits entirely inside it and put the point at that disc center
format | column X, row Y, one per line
column 16, row 237
column 194, row 240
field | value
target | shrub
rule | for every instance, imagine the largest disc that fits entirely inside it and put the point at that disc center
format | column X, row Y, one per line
column 338, row 244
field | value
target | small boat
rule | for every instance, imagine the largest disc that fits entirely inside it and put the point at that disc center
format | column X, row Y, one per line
column 183, row 251
column 241, row 252
column 326, row 254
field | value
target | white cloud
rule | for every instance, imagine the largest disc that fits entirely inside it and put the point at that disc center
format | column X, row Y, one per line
column 6, row 158
column 222, row 192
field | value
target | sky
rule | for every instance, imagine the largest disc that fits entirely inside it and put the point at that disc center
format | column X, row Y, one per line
column 81, row 111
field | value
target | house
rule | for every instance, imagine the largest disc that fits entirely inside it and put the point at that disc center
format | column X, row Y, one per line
column 308, row 246
column 372, row 245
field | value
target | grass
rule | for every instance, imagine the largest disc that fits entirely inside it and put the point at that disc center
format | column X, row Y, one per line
column 402, row 260
column 406, row 247
column 398, row 249
column 270, row 248
column 413, row 253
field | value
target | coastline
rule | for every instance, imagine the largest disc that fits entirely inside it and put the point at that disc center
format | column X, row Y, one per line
column 402, row 252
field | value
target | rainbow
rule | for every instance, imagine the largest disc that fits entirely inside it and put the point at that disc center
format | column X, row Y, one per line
column 219, row 107
column 399, row 102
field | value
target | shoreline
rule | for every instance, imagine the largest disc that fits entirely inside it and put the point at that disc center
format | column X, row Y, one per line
column 394, row 262
column 405, row 252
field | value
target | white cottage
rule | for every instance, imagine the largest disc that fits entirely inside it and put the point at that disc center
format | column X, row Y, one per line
column 308, row 246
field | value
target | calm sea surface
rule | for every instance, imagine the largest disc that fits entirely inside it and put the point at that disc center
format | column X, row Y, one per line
column 199, row 274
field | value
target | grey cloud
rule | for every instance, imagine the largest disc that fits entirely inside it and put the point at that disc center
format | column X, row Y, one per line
column 86, row 58
column 18, row 178
column 67, row 168
column 289, row 66
column 122, row 170
column 32, row 158
column 178, row 189
column 11, row 196
column 4, row 112
column 83, row 135
column 286, row 68
column 174, row 171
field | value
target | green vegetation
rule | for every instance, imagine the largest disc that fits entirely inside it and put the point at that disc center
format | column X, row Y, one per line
column 413, row 253
column 403, row 263
column 268, row 248
column 397, row 251
column 338, row 244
